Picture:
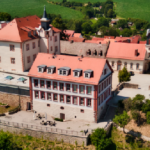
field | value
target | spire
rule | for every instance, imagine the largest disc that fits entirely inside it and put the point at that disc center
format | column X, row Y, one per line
column 44, row 13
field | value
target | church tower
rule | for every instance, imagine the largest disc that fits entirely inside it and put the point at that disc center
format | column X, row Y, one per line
column 45, row 21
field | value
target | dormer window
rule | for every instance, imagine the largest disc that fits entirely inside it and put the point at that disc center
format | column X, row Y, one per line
column 41, row 68
column 88, row 73
column 77, row 72
column 64, row 71
column 51, row 69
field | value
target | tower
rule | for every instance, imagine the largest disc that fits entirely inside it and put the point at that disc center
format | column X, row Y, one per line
column 45, row 21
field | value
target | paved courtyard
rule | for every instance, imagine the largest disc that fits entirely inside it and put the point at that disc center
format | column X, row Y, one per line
column 76, row 125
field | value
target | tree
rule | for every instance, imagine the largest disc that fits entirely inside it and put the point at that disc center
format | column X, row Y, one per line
column 5, row 16
column 102, row 22
column 110, row 13
column 6, row 141
column 136, row 116
column 126, row 32
column 122, row 119
column 122, row 23
column 86, row 28
column 124, row 75
column 107, row 7
column 146, row 106
column 148, row 117
column 127, row 104
column 99, row 139
column 58, row 23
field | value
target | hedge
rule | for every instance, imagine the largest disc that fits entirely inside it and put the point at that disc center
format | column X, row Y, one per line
column 58, row 119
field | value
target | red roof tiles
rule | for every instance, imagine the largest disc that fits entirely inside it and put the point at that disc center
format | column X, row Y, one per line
column 72, row 62
column 126, row 51
column 76, row 39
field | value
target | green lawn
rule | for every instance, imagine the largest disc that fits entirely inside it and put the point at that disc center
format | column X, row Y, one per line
column 23, row 8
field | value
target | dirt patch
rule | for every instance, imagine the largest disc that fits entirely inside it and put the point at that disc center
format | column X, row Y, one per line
column 144, row 128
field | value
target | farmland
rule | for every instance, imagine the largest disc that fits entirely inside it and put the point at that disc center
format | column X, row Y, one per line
column 124, row 8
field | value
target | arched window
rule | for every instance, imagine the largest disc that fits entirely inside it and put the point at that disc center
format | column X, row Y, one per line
column 112, row 63
column 125, row 64
column 101, row 53
column 89, row 52
column 119, row 63
column 95, row 52
column 131, row 65
column 137, row 66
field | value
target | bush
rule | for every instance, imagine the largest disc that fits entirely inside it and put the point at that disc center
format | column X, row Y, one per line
column 99, row 139
column 58, row 119
column 148, row 117
column 146, row 106
column 139, row 97
column 124, row 75
column 127, row 104
column 136, row 115
column 137, row 102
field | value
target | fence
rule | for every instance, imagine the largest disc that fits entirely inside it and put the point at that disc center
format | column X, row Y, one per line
column 13, row 89
column 41, row 128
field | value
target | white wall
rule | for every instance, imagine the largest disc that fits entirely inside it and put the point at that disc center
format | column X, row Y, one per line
column 29, row 52
column 6, row 54
column 141, row 64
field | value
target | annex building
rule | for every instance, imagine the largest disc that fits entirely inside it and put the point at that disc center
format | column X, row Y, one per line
column 70, row 87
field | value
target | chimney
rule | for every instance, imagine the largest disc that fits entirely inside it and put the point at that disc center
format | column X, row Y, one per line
column 136, row 52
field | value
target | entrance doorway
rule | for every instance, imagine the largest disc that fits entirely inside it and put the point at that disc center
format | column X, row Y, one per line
column 119, row 63
column 28, row 106
column 62, row 116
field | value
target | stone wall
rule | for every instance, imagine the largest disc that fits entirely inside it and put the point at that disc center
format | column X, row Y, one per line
column 13, row 99
column 47, row 135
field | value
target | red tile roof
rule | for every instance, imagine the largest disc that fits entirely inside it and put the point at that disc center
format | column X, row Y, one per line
column 126, row 51
column 109, row 37
column 77, row 35
column 72, row 62
column 96, row 41
column 76, row 39
column 13, row 31
column 69, row 32
column 143, row 42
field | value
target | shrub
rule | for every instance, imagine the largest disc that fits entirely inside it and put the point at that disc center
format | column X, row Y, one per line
column 58, row 119
column 148, row 117
column 139, row 97
column 99, row 139
column 146, row 106
column 124, row 75
column 127, row 104
column 136, row 115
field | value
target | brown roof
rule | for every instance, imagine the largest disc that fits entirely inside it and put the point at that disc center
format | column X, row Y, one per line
column 76, row 39
column 77, row 35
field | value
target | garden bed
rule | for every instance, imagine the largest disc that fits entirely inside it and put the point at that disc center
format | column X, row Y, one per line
column 16, row 109
column 4, row 105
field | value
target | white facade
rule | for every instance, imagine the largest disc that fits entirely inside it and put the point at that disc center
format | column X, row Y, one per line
column 136, row 66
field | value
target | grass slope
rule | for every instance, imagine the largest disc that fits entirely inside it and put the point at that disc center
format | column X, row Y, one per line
column 23, row 8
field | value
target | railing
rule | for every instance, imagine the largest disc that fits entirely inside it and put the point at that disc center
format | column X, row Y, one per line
column 41, row 128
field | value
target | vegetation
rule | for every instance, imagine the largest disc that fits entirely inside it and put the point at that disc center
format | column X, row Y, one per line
column 5, row 16
column 100, row 139
column 124, row 75
column 58, row 119
column 14, row 110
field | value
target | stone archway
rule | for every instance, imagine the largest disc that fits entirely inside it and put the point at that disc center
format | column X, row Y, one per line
column 119, row 63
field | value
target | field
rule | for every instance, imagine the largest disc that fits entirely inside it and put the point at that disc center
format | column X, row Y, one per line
column 23, row 8
column 124, row 8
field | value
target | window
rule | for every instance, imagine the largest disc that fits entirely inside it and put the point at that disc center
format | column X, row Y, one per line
column 48, row 83
column 12, row 48
column 86, row 75
column 61, row 86
column 12, row 60
column 89, row 102
column 76, row 74
column 131, row 66
column 74, row 88
column 55, row 97
column 137, row 66
column 36, row 82
column 39, row 43
column 42, row 83
column 42, row 95
column 99, row 88
column 112, row 63
column 75, row 100
column 60, row 71
column 89, row 90
column 81, row 101
column 51, row 48
column 105, row 71
column 27, row 47
column 55, row 38
column 64, row 72
column 48, row 105
column 68, row 99
column 55, row 85
column 49, row 96
column 102, row 86
column 34, row 56
column 28, row 59
column 56, row 48
column 33, row 45
column 49, row 70
column 82, row 111
column 125, row 64
column 67, row 87
column 40, row 69
column 81, row 89
column 36, row 94
column 62, row 98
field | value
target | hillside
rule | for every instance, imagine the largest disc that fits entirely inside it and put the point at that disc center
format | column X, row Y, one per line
column 124, row 8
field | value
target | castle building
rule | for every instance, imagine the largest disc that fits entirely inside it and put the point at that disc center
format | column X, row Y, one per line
column 70, row 87
column 23, row 38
